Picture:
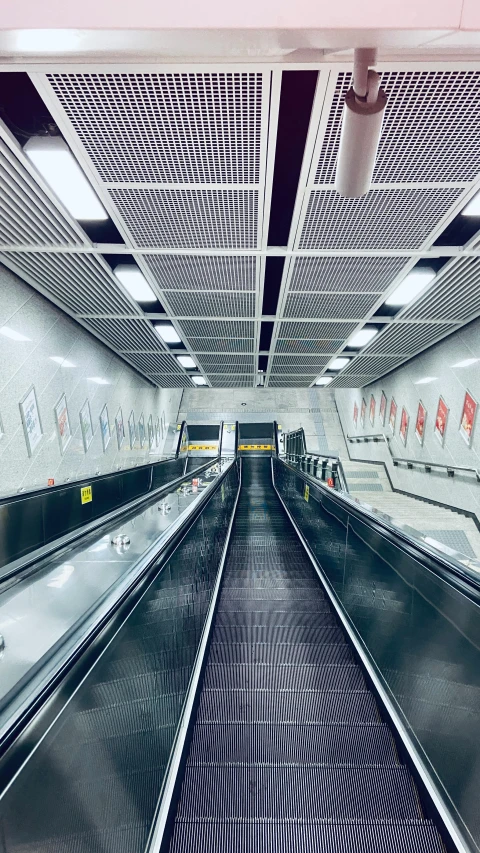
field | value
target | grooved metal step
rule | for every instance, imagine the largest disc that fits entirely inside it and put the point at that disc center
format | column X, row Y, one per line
column 307, row 706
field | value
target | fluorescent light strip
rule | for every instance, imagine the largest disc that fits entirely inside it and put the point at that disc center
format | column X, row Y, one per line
column 324, row 380
column 134, row 281
column 53, row 159
column 168, row 333
column 473, row 207
column 186, row 361
column 364, row 336
column 199, row 380
column 338, row 363
column 410, row 287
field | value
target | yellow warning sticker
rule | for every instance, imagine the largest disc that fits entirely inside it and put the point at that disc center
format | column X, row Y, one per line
column 255, row 447
column 202, row 446
column 86, row 494
column 306, row 493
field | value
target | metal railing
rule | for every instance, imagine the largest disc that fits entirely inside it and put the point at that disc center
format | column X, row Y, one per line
column 328, row 469
column 425, row 466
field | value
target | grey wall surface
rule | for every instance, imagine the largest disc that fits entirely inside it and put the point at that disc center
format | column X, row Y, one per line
column 312, row 408
column 50, row 332
column 450, row 381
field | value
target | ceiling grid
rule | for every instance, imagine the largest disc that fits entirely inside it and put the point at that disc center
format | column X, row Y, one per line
column 183, row 161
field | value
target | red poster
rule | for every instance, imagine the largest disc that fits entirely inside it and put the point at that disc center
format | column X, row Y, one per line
column 372, row 409
column 362, row 412
column 420, row 422
column 467, row 422
column 383, row 408
column 404, row 425
column 441, row 419
column 393, row 415
column 355, row 413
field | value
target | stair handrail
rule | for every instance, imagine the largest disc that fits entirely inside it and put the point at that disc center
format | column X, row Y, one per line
column 337, row 467
column 414, row 463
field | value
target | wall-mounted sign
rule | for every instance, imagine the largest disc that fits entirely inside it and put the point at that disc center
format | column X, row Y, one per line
column 404, row 421
column 441, row 419
column 150, row 432
column 141, row 430
column 119, row 428
column 467, row 422
column 86, row 494
column 62, row 422
column 420, row 422
column 355, row 414
column 131, row 429
column 393, row 415
column 383, row 408
column 372, row 410
column 32, row 425
column 362, row 412
column 86, row 425
column 105, row 427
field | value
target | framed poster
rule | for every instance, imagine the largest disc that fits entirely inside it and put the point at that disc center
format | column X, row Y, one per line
column 86, row 425
column 467, row 422
column 157, row 432
column 32, row 425
column 355, row 414
column 372, row 410
column 131, row 429
column 105, row 427
column 383, row 408
column 404, row 420
column 441, row 419
column 141, row 430
column 362, row 412
column 393, row 415
column 420, row 422
column 119, row 428
column 62, row 422
column 150, row 432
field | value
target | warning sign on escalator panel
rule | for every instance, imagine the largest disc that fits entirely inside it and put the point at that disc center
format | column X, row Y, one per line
column 306, row 493
column 86, row 494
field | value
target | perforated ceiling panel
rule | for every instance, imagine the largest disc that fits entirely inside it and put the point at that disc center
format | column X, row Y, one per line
column 167, row 128
column 183, row 159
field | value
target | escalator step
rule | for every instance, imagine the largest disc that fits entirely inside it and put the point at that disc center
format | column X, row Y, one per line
column 332, row 650
column 275, row 634
column 306, row 706
column 308, row 837
column 271, row 605
column 343, row 677
column 379, row 793
column 274, row 619
column 292, row 743
column 279, row 594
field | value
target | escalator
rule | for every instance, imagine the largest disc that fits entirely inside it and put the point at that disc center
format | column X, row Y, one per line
column 288, row 745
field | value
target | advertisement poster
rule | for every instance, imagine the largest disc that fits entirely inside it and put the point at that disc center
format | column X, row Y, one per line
column 62, row 422
column 120, row 429
column 355, row 414
column 441, row 419
column 150, row 432
column 383, row 408
column 32, row 425
column 362, row 412
column 157, row 432
column 393, row 415
column 467, row 422
column 105, row 427
column 372, row 410
column 404, row 425
column 420, row 422
column 131, row 429
column 141, row 430
column 86, row 425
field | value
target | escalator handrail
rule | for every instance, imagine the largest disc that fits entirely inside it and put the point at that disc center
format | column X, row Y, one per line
column 94, row 622
column 453, row 570
column 20, row 566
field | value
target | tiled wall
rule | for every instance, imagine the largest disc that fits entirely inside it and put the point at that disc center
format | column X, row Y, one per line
column 24, row 363
column 440, row 364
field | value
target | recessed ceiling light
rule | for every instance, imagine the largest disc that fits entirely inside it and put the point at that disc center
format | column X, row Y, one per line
column 199, row 380
column 12, row 334
column 473, row 207
column 57, row 165
column 466, row 362
column 186, row 361
column 98, row 380
column 411, row 286
column 134, row 281
column 62, row 361
column 168, row 333
column 359, row 339
column 338, row 363
column 324, row 380
column 425, row 380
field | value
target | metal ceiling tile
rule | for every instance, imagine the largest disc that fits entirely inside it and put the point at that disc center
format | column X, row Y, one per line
column 222, row 303
column 309, row 347
column 222, row 345
column 355, row 275
column 331, row 305
column 126, row 335
column 203, row 272
column 442, row 301
column 315, row 331
column 287, row 362
column 217, row 328
column 154, row 362
column 291, row 381
column 165, row 380
column 407, row 338
column 227, row 363
column 231, row 380
column 368, row 364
